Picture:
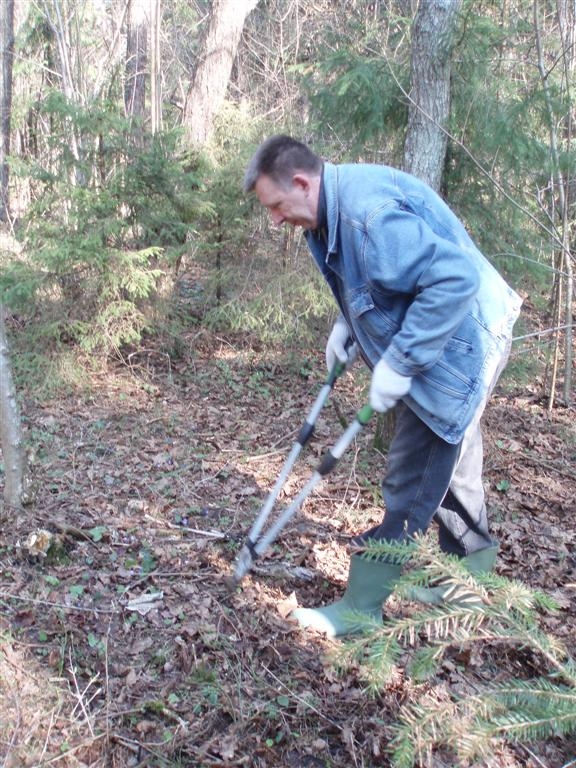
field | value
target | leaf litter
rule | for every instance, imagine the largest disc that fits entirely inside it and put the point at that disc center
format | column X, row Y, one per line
column 120, row 644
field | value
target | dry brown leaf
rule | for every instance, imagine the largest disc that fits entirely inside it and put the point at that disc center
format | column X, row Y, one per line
column 285, row 607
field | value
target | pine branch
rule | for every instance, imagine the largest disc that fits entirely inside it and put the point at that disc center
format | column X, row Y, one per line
column 523, row 711
column 486, row 609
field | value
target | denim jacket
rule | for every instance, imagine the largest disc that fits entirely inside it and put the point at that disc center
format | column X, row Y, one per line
column 415, row 290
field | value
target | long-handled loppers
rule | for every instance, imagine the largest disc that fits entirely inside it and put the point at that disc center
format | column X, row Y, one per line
column 254, row 546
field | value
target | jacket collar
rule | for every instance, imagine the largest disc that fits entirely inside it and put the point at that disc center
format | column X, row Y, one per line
column 330, row 192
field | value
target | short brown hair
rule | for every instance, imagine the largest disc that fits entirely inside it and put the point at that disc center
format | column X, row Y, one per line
column 279, row 157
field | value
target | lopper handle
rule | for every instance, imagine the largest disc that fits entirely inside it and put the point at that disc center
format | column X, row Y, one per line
column 304, row 435
column 307, row 428
column 328, row 463
column 253, row 547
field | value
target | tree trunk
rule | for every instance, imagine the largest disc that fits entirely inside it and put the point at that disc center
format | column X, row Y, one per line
column 11, row 441
column 426, row 141
column 136, row 59
column 432, row 44
column 59, row 16
column 155, row 69
column 566, row 10
column 6, row 59
column 560, row 214
column 217, row 54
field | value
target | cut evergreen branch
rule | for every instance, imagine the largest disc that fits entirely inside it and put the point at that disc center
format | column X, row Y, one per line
column 485, row 610
column 521, row 711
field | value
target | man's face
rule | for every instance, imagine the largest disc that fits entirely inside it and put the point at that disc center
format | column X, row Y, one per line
column 295, row 204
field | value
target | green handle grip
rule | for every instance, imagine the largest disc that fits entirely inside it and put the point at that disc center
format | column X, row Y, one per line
column 338, row 368
column 365, row 414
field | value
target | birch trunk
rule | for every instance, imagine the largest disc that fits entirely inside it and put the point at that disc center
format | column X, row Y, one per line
column 11, row 441
column 6, row 60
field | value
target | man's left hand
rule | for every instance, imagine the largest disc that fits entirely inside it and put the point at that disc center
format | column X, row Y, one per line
column 387, row 387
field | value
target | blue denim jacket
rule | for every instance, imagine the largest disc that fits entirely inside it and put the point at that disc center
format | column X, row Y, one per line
column 415, row 290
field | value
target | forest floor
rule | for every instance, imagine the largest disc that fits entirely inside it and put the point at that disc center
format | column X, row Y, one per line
column 122, row 646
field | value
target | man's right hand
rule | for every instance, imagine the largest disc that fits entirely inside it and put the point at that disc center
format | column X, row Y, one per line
column 336, row 349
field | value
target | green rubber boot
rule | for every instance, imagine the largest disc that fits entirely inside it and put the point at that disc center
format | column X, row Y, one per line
column 481, row 561
column 369, row 584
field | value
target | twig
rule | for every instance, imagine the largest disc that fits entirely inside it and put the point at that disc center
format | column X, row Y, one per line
column 133, row 746
column 16, row 724
column 107, row 683
column 532, row 755
column 36, row 601
column 49, row 731
column 71, row 751
column 534, row 459
column 80, row 695
column 73, row 532
column 284, row 570
column 557, row 467
column 185, row 529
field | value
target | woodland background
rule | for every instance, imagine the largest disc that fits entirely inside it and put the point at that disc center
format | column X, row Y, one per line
column 160, row 344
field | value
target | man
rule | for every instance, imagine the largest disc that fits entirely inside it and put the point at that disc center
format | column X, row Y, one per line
column 432, row 319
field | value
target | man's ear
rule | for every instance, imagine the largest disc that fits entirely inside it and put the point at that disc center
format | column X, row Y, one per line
column 302, row 181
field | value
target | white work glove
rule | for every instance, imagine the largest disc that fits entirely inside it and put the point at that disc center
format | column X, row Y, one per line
column 387, row 387
column 336, row 346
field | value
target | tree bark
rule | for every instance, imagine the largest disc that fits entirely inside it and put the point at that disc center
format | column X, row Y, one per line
column 429, row 110
column 432, row 44
column 6, row 61
column 155, row 68
column 217, row 54
column 11, row 441
column 136, row 59
column 559, row 215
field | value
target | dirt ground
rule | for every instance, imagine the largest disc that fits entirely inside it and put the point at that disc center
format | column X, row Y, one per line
column 122, row 645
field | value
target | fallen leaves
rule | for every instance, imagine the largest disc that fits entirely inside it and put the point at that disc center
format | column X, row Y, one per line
column 153, row 500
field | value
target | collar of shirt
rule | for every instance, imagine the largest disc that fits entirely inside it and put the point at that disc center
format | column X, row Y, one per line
column 322, row 215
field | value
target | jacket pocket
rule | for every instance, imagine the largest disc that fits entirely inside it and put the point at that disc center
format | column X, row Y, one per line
column 377, row 322
column 457, row 370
